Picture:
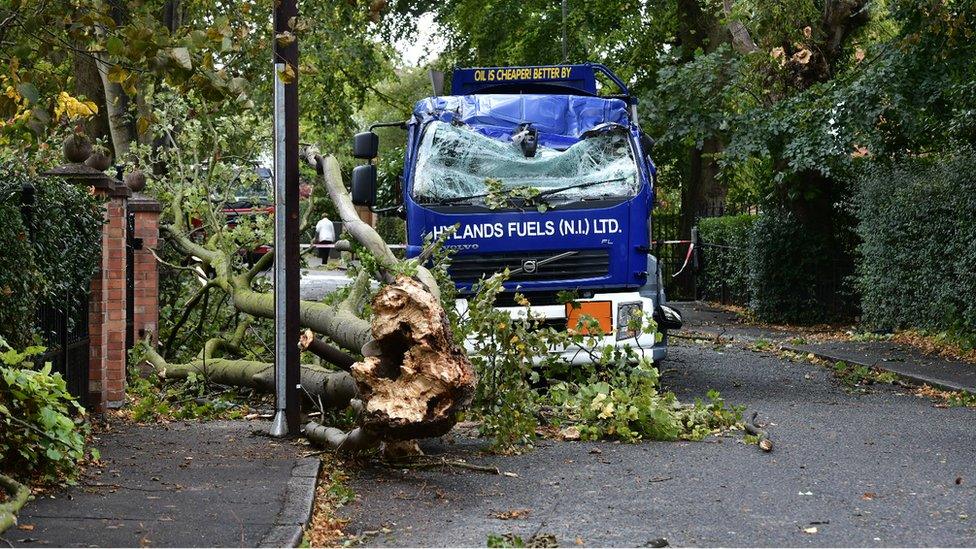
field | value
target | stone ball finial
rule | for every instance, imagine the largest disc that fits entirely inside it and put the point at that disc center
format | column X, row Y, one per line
column 77, row 148
column 100, row 159
column 135, row 180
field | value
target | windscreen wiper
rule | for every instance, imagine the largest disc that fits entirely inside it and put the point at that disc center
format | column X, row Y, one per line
column 578, row 186
column 456, row 199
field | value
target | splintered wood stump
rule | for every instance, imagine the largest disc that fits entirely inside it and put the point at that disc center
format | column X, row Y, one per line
column 413, row 379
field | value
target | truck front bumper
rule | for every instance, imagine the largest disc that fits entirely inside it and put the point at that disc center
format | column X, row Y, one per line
column 643, row 344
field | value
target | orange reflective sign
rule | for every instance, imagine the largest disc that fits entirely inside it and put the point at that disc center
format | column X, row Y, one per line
column 580, row 318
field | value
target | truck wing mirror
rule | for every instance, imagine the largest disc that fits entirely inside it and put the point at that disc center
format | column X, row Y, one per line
column 365, row 145
column 364, row 185
column 646, row 143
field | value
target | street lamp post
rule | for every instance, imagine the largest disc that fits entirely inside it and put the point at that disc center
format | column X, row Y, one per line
column 286, row 273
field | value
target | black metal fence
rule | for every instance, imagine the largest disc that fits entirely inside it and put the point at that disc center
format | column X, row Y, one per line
column 61, row 323
column 63, row 329
column 722, row 273
column 685, row 276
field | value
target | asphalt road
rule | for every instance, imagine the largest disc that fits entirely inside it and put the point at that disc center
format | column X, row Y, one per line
column 877, row 469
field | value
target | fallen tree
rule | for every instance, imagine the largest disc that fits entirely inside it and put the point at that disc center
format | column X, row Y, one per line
column 16, row 497
column 413, row 379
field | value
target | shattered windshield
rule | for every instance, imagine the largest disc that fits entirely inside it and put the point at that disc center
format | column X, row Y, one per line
column 457, row 164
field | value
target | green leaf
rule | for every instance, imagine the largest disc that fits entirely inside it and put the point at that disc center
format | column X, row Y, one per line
column 29, row 92
column 115, row 46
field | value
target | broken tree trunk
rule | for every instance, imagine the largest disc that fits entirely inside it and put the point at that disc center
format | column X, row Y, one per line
column 414, row 378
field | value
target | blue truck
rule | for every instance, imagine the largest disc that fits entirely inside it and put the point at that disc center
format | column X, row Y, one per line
column 543, row 175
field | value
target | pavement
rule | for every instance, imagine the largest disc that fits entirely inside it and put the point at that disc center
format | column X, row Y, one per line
column 907, row 361
column 884, row 468
column 182, row 484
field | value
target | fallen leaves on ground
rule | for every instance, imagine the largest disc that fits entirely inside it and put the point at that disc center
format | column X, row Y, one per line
column 935, row 345
column 570, row 433
column 325, row 527
column 511, row 514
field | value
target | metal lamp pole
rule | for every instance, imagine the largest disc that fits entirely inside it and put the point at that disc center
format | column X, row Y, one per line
column 286, row 273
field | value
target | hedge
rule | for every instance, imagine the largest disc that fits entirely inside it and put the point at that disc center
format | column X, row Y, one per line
column 724, row 252
column 783, row 270
column 917, row 259
column 56, row 255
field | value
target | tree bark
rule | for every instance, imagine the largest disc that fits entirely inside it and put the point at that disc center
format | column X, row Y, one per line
column 323, row 350
column 335, row 389
column 414, row 378
column 122, row 126
column 741, row 39
column 702, row 188
column 17, row 495
column 88, row 83
column 360, row 230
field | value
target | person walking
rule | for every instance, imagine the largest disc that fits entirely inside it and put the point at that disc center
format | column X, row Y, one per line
column 325, row 234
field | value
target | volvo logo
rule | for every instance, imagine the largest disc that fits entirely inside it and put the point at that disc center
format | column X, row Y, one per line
column 532, row 265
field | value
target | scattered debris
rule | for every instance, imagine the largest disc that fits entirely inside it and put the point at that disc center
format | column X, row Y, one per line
column 459, row 463
column 657, row 542
column 511, row 514
column 751, row 427
column 570, row 433
column 513, row 540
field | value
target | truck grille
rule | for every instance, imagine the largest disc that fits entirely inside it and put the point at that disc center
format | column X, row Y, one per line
column 470, row 268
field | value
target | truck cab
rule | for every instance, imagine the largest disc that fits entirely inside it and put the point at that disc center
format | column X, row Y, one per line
column 539, row 174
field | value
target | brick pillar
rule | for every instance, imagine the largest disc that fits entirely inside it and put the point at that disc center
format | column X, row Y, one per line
column 146, row 294
column 366, row 215
column 106, row 309
column 106, row 314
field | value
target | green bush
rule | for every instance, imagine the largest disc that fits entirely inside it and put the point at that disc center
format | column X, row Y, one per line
column 800, row 272
column 18, row 282
column 43, row 426
column 54, row 256
column 917, row 263
column 725, row 258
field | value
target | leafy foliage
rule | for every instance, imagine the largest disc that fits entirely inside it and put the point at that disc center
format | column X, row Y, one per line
column 44, row 428
column 50, row 252
column 154, row 400
column 795, row 274
column 524, row 384
column 917, row 263
column 725, row 253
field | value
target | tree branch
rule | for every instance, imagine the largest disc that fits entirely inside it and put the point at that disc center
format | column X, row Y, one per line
column 360, row 230
column 741, row 40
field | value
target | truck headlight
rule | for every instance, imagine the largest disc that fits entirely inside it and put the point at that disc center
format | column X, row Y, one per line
column 626, row 312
